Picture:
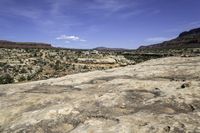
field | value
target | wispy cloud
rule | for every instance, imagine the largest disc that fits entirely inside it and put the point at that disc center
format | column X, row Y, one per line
column 72, row 38
column 112, row 5
column 108, row 8
column 49, row 18
column 194, row 24
column 137, row 12
column 185, row 26
column 131, row 14
column 157, row 39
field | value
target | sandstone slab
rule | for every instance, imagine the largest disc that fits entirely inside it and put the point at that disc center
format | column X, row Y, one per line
column 144, row 98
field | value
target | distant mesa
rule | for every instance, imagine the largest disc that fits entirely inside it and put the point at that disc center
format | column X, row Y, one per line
column 110, row 49
column 10, row 44
column 187, row 39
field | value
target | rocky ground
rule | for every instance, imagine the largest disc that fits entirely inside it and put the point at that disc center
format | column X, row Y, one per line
column 157, row 96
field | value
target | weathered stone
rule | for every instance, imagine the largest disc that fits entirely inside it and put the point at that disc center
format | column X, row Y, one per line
column 141, row 98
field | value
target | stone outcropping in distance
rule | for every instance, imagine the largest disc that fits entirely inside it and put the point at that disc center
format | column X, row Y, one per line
column 157, row 96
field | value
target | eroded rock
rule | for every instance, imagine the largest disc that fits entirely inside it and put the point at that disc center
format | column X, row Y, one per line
column 141, row 98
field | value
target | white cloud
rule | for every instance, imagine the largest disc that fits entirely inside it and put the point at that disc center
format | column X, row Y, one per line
column 65, row 37
column 69, row 39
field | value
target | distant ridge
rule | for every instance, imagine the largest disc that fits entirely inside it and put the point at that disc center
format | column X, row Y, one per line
column 10, row 44
column 187, row 39
column 111, row 49
column 191, row 32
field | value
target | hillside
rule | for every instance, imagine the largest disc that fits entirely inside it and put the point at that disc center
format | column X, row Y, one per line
column 157, row 96
column 188, row 39
column 28, row 64
column 10, row 44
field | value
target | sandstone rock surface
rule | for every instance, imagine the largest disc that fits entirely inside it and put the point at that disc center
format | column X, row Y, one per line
column 121, row 60
column 157, row 96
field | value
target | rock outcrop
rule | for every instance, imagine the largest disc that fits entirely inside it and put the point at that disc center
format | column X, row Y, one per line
column 157, row 96
column 121, row 60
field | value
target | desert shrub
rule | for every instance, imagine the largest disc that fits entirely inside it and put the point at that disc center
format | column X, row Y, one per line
column 2, row 64
column 67, row 65
column 23, row 70
column 57, row 65
column 29, row 77
column 40, row 70
column 6, row 79
column 85, row 67
column 73, row 67
column 22, row 78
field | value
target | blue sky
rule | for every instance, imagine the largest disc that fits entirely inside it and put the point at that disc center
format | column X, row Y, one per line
column 94, row 23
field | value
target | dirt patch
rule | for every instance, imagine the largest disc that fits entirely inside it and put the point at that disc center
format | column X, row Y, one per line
column 107, row 79
column 137, row 98
column 2, row 94
column 166, row 108
column 48, row 89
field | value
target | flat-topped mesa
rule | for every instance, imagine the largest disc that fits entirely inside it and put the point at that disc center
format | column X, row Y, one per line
column 9, row 44
column 107, row 49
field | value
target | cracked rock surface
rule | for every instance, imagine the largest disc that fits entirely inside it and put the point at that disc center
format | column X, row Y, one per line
column 157, row 96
